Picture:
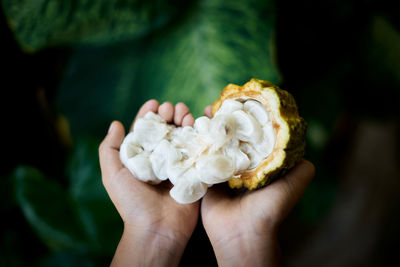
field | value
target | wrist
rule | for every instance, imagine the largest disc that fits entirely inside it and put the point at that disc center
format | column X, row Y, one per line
column 248, row 249
column 162, row 234
column 149, row 246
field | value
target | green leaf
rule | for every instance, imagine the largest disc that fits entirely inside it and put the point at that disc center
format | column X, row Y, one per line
column 99, row 86
column 42, row 23
column 79, row 218
column 192, row 60
column 221, row 42
column 97, row 214
column 47, row 207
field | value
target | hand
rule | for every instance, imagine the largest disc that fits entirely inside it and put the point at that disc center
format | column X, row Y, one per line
column 156, row 227
column 242, row 227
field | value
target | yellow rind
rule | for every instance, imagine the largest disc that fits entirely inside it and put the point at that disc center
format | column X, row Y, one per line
column 289, row 128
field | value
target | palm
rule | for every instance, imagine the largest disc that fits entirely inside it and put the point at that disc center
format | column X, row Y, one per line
column 227, row 216
column 158, row 210
column 139, row 204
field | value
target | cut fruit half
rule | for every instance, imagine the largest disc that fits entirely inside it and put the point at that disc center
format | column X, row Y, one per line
column 288, row 127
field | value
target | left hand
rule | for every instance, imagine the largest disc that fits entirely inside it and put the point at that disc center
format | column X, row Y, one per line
column 156, row 227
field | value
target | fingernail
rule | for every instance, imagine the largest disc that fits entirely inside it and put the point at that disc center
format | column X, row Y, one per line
column 110, row 129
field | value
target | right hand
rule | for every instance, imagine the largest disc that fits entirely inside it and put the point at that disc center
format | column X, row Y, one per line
column 243, row 227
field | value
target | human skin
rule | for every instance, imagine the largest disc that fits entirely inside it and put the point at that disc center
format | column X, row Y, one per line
column 242, row 227
column 156, row 227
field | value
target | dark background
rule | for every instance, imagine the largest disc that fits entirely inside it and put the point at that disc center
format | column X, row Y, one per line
column 69, row 68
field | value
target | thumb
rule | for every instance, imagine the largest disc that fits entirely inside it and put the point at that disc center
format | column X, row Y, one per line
column 287, row 191
column 109, row 150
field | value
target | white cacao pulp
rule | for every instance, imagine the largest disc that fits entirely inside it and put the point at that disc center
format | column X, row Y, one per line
column 236, row 139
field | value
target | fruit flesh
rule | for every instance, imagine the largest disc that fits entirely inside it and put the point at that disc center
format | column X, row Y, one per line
column 254, row 136
column 238, row 138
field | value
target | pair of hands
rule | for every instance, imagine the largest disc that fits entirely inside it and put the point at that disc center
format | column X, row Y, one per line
column 242, row 228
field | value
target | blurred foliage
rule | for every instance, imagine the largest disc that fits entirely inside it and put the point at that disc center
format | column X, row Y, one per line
column 39, row 24
column 332, row 55
column 189, row 60
column 123, row 53
column 77, row 220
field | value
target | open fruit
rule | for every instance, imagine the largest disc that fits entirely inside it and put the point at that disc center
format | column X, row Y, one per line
column 288, row 129
column 254, row 136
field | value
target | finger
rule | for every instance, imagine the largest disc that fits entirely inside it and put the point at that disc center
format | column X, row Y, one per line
column 166, row 111
column 208, row 111
column 109, row 150
column 297, row 180
column 188, row 120
column 180, row 111
column 151, row 105
column 287, row 190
